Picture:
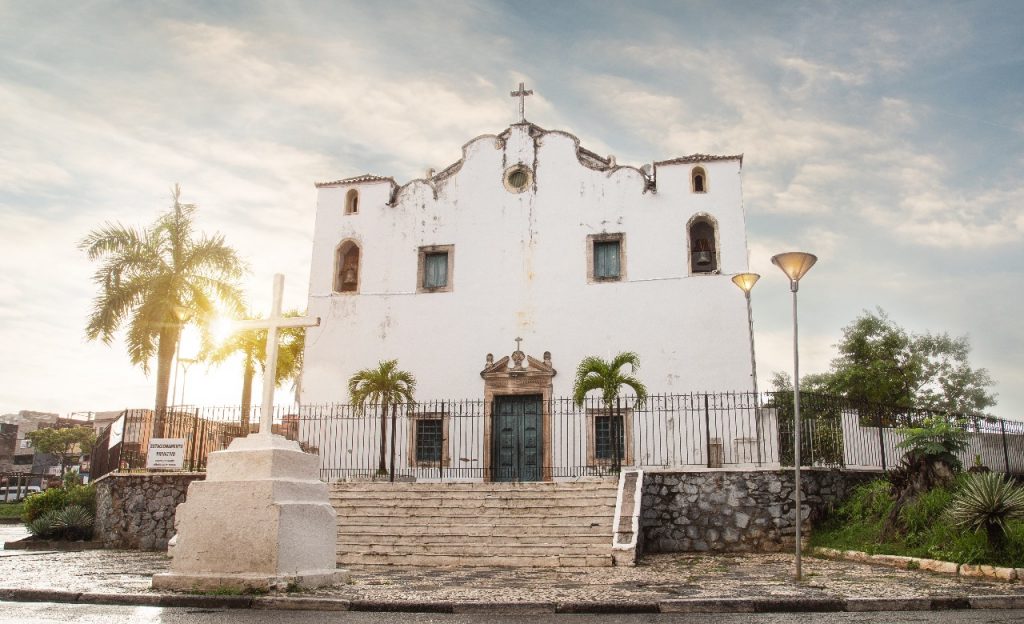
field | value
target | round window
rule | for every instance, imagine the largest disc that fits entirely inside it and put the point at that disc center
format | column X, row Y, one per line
column 517, row 178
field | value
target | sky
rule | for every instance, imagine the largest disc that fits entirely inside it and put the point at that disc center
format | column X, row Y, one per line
column 886, row 138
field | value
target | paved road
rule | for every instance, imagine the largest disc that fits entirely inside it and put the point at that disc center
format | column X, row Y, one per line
column 43, row 613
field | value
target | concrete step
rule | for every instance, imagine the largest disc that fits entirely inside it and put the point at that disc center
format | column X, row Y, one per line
column 601, row 530
column 397, row 539
column 474, row 487
column 517, row 523
column 475, row 524
column 479, row 549
column 464, row 561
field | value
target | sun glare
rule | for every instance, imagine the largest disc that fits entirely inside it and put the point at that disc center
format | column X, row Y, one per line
column 221, row 328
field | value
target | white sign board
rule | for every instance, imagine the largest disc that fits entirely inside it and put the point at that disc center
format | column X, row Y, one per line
column 116, row 432
column 166, row 453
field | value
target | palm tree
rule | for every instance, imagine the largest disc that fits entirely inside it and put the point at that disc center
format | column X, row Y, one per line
column 252, row 346
column 384, row 385
column 595, row 373
column 152, row 280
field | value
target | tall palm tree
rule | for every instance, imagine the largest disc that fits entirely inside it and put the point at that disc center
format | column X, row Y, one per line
column 384, row 385
column 595, row 373
column 252, row 346
column 152, row 279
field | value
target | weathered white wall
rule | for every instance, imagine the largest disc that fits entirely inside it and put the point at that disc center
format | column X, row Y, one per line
column 520, row 270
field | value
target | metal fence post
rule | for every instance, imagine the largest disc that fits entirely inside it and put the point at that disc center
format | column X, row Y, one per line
column 1006, row 452
column 616, row 459
column 707, row 430
column 881, row 437
column 394, row 412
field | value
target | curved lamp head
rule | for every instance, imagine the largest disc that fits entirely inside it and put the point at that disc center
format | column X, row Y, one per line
column 745, row 281
column 795, row 264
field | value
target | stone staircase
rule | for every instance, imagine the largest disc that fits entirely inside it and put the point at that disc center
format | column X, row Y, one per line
column 475, row 524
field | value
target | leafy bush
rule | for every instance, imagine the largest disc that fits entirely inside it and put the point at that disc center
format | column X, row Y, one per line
column 936, row 439
column 930, row 532
column 74, row 522
column 987, row 502
column 54, row 500
column 42, row 527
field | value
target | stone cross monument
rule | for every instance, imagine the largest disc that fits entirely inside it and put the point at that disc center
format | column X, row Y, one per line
column 262, row 518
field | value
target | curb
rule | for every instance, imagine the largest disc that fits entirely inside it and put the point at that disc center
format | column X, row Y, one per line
column 675, row 605
column 1008, row 575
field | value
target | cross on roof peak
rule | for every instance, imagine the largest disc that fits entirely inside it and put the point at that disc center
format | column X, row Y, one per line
column 521, row 94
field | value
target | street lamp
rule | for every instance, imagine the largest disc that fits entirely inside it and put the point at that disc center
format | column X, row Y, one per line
column 796, row 264
column 745, row 282
column 185, row 363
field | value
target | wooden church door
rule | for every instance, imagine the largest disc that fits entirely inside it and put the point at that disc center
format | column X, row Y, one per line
column 517, row 439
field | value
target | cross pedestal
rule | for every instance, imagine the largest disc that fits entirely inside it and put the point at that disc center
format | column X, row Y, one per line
column 261, row 519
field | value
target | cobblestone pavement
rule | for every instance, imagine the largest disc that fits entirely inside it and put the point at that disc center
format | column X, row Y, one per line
column 658, row 577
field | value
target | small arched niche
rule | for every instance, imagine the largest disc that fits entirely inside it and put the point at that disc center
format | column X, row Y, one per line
column 702, row 240
column 352, row 202
column 698, row 180
column 346, row 267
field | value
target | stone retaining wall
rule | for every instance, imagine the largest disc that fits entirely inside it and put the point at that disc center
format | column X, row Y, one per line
column 736, row 511
column 136, row 511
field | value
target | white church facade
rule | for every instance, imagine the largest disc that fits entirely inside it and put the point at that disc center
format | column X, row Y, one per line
column 491, row 279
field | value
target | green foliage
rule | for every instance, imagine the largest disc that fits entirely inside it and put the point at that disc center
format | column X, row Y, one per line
column 55, row 499
column 988, row 501
column 595, row 373
column 930, row 533
column 12, row 510
column 150, row 280
column 43, row 526
column 936, row 439
column 252, row 346
column 386, row 386
column 74, row 522
column 881, row 367
column 65, row 443
column 869, row 501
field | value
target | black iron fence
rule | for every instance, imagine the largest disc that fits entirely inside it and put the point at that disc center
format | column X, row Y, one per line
column 529, row 438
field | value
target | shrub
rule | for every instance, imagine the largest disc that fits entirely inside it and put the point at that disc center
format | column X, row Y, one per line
column 42, row 527
column 988, row 501
column 870, row 501
column 74, row 522
column 56, row 499
column 937, row 439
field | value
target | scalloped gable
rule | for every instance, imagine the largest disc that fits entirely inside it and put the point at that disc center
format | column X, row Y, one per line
column 585, row 157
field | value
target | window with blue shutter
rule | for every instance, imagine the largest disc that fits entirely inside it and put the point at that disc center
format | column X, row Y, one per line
column 606, row 260
column 435, row 270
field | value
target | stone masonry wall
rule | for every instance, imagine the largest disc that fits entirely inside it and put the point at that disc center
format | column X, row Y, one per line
column 136, row 511
column 736, row 511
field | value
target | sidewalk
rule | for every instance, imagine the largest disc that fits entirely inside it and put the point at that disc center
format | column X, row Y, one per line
column 679, row 582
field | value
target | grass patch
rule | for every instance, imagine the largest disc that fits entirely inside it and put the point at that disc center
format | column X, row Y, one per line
column 11, row 510
column 929, row 534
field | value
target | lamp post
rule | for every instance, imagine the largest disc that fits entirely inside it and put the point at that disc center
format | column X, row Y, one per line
column 745, row 282
column 182, row 314
column 185, row 363
column 795, row 264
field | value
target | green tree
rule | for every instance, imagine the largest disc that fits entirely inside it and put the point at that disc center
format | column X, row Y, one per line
column 148, row 278
column 595, row 373
column 65, row 443
column 880, row 366
column 384, row 386
column 252, row 346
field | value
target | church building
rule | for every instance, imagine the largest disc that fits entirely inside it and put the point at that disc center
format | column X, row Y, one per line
column 493, row 277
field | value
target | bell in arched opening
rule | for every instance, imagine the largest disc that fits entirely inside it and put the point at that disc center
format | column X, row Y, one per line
column 703, row 256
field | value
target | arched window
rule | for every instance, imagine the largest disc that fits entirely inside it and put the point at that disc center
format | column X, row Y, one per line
column 699, row 180
column 346, row 267
column 702, row 236
column 352, row 202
